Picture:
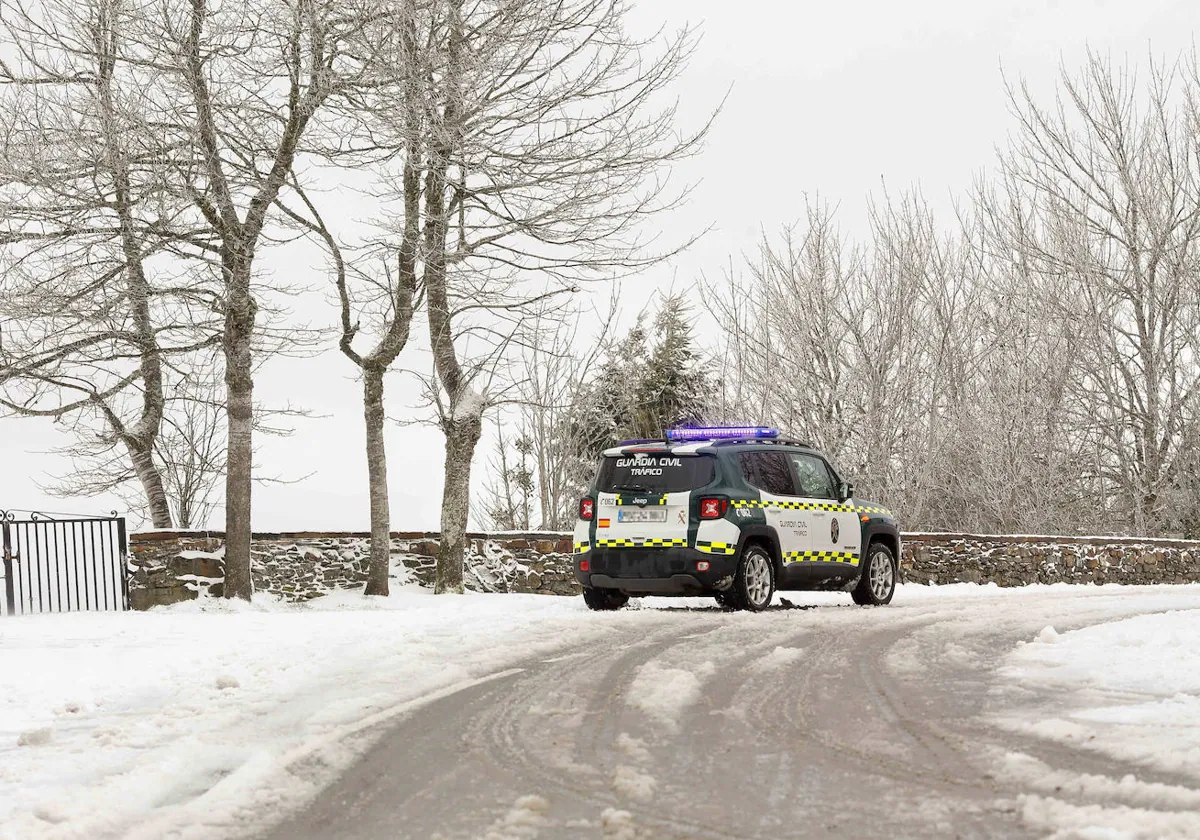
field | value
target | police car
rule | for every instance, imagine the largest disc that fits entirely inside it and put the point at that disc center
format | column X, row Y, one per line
column 733, row 512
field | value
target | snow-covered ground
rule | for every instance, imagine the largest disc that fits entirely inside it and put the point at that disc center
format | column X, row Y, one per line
column 190, row 720
column 209, row 719
column 1127, row 690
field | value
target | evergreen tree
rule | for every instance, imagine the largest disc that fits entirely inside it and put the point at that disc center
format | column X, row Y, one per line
column 672, row 389
column 653, row 380
column 650, row 380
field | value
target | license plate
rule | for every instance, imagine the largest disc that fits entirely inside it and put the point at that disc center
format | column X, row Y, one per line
column 641, row 515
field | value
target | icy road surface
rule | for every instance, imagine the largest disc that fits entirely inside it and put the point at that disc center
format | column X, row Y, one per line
column 962, row 712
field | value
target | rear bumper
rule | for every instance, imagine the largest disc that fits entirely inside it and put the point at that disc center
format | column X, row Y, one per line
column 655, row 571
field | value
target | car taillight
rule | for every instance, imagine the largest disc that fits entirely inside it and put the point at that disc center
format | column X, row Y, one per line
column 587, row 508
column 713, row 508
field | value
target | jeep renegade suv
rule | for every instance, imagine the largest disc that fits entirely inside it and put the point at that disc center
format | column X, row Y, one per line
column 734, row 513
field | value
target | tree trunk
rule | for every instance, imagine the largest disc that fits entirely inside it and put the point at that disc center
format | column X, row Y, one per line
column 462, row 434
column 184, row 509
column 152, row 486
column 381, row 543
column 239, row 383
column 137, row 286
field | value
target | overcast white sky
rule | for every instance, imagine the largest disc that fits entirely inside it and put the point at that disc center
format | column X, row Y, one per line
column 831, row 98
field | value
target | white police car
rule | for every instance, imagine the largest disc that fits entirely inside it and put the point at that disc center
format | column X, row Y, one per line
column 732, row 512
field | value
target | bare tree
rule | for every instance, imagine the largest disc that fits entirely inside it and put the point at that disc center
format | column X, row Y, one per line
column 374, row 364
column 540, row 468
column 93, row 313
column 541, row 151
column 189, row 454
column 508, row 498
column 388, row 298
column 787, row 329
column 395, row 119
column 555, row 384
column 1032, row 367
column 865, row 350
column 917, row 315
column 1102, row 196
column 192, row 445
column 244, row 84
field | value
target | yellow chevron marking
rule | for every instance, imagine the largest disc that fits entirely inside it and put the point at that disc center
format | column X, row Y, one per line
column 648, row 542
column 820, row 557
column 780, row 504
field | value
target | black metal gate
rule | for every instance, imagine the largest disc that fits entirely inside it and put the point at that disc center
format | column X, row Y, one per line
column 57, row 563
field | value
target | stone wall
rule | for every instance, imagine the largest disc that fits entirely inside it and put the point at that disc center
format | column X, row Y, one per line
column 1022, row 560
column 173, row 566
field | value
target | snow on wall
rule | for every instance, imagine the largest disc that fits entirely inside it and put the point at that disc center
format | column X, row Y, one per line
column 171, row 566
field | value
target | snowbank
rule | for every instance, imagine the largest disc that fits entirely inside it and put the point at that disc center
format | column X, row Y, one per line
column 1128, row 690
column 209, row 717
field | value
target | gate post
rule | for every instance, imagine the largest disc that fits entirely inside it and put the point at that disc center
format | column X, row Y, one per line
column 10, row 596
column 122, row 548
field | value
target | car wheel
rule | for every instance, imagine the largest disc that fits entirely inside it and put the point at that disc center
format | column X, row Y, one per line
column 754, row 583
column 877, row 584
column 604, row 599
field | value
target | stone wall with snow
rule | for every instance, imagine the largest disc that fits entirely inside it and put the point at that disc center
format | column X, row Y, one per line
column 171, row 566
column 175, row 566
column 1022, row 560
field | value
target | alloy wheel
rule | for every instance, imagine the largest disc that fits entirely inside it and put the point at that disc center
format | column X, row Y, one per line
column 758, row 578
column 882, row 576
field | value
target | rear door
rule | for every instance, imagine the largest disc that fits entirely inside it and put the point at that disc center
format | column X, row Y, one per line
column 644, row 499
column 835, row 535
column 771, row 473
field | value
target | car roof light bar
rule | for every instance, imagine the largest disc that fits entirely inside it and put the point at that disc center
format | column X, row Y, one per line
column 721, row 433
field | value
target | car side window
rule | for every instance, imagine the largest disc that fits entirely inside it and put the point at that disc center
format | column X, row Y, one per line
column 768, row 471
column 813, row 477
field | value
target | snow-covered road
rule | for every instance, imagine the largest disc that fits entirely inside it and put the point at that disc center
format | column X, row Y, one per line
column 954, row 712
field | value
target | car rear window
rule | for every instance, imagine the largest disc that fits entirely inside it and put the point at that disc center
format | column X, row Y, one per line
column 768, row 471
column 655, row 473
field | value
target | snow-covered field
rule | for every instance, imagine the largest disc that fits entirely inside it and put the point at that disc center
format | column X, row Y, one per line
column 208, row 719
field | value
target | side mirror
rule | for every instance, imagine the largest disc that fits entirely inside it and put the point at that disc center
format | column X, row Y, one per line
column 845, row 490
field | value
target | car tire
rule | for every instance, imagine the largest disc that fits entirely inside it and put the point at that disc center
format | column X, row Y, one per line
column 877, row 584
column 754, row 582
column 604, row 599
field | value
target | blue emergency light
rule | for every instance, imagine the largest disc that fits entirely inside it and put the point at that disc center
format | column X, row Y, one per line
column 721, row 433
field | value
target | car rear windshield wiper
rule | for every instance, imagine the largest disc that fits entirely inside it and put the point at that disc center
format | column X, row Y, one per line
column 634, row 488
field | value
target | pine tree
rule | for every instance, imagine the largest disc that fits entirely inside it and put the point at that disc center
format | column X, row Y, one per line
column 653, row 381
column 671, row 393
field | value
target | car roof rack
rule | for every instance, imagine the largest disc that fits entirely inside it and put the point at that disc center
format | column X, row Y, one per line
column 639, row 442
column 775, row 441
